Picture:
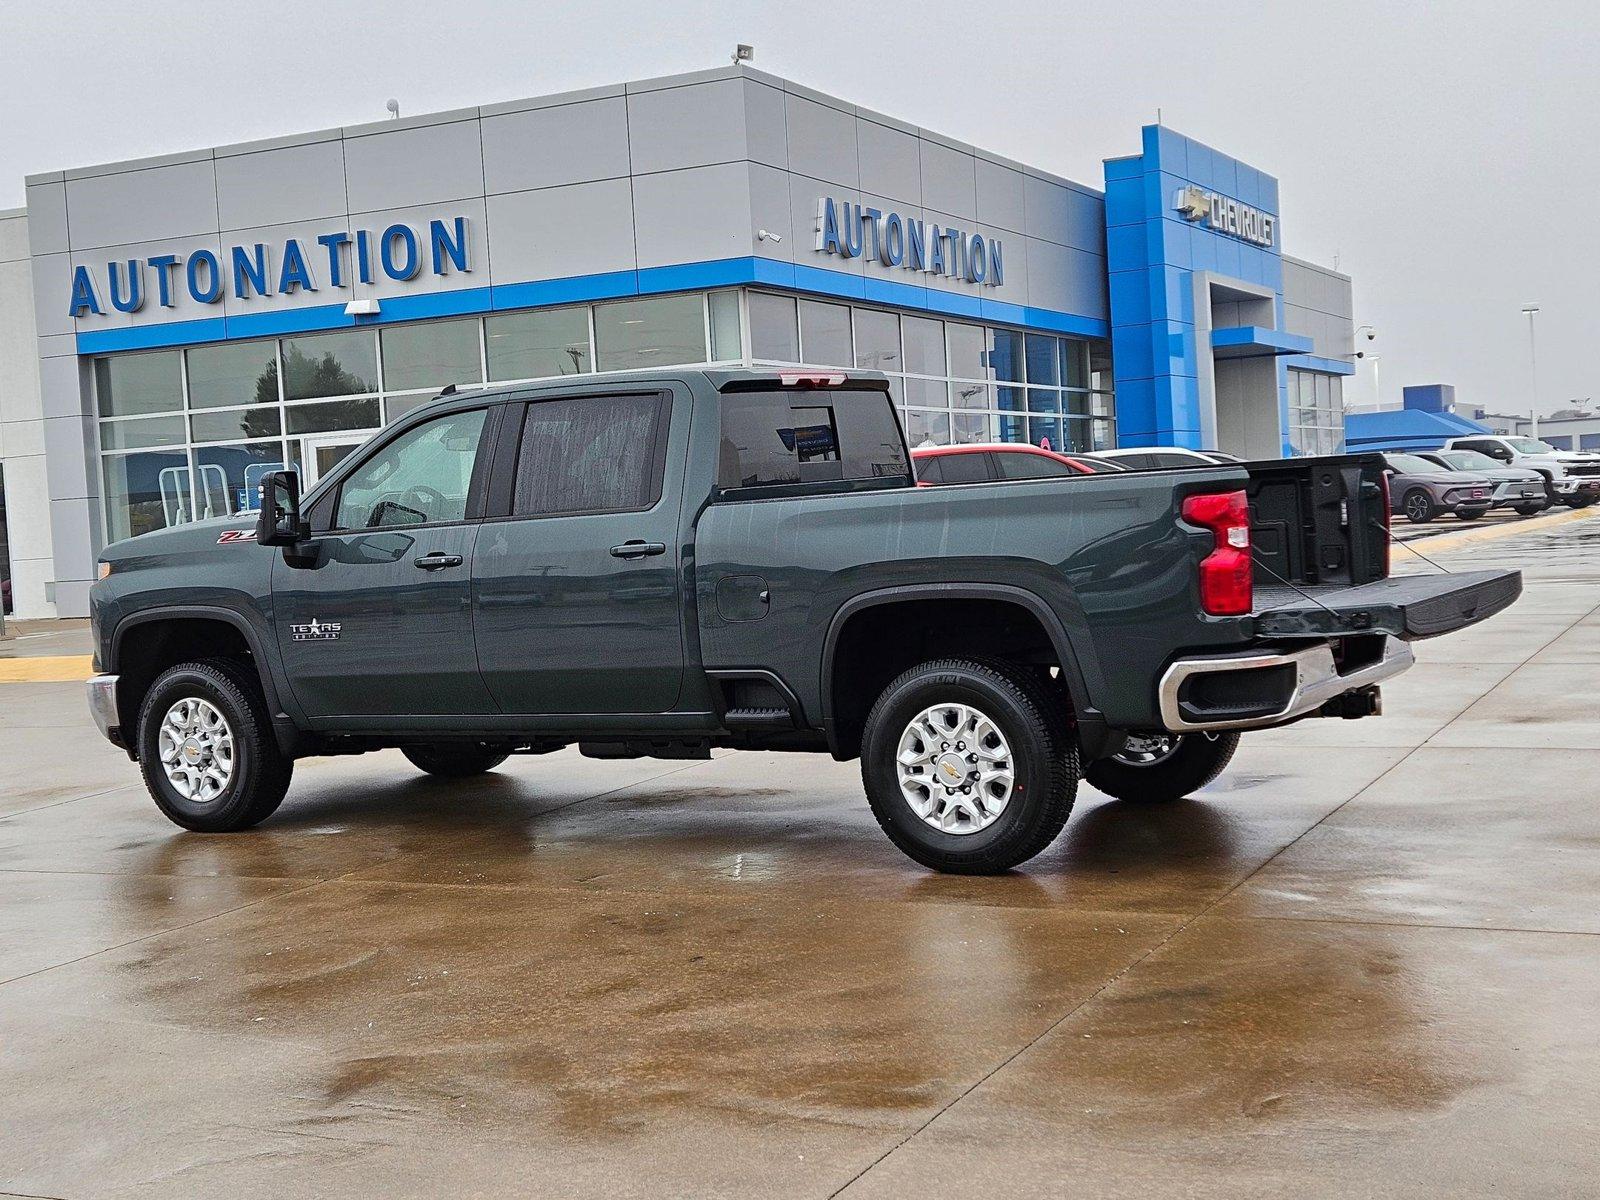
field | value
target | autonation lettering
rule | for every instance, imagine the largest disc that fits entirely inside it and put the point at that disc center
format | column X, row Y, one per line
column 333, row 260
column 854, row 230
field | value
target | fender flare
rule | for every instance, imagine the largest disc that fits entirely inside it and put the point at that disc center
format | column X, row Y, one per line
column 275, row 695
column 1066, row 652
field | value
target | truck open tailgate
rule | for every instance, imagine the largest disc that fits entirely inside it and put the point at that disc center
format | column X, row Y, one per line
column 1411, row 607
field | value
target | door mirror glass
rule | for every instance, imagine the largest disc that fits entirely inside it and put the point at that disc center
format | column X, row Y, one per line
column 280, row 522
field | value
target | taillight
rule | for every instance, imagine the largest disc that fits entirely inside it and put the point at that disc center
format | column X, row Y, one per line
column 1225, row 586
column 810, row 379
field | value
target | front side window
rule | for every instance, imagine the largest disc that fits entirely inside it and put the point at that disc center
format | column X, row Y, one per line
column 1032, row 466
column 779, row 438
column 591, row 454
column 422, row 477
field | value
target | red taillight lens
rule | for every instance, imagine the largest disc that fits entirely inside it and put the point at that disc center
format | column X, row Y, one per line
column 1225, row 585
column 811, row 379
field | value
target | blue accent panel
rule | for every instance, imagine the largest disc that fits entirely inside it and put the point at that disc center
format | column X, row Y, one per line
column 1130, row 351
column 1136, row 407
column 606, row 286
column 292, row 320
column 1124, row 202
column 145, row 337
column 459, row 303
column 1125, row 246
column 1273, row 341
column 1124, row 168
column 1130, row 298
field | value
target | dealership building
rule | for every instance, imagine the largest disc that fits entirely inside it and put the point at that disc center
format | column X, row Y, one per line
column 172, row 328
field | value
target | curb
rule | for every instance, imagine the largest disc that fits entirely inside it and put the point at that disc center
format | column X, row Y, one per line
column 1449, row 541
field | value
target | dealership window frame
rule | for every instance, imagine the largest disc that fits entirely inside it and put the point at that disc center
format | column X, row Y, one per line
column 1316, row 412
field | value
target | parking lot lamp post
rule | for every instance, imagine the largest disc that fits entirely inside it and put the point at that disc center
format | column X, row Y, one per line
column 1533, row 372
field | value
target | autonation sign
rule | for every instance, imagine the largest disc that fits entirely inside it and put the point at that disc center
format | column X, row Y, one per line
column 400, row 252
column 855, row 230
column 1225, row 215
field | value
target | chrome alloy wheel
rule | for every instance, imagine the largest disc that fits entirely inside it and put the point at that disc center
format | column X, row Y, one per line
column 196, row 749
column 955, row 768
column 1148, row 750
column 1418, row 506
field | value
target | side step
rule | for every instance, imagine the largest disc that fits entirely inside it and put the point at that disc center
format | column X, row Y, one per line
column 758, row 718
column 648, row 748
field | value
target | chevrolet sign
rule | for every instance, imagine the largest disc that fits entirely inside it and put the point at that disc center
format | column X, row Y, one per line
column 1225, row 215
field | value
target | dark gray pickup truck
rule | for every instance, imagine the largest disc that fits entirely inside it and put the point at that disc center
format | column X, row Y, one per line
column 656, row 565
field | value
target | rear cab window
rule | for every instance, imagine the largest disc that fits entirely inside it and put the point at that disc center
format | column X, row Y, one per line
column 796, row 440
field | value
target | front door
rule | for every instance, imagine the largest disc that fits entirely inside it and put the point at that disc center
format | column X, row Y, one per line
column 577, row 588
column 376, row 619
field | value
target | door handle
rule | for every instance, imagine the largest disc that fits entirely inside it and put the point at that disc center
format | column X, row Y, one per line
column 638, row 549
column 436, row 562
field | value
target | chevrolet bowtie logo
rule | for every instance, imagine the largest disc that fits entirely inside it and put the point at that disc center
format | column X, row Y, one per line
column 1193, row 202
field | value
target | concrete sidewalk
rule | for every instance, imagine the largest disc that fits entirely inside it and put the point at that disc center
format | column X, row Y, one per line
column 1366, row 962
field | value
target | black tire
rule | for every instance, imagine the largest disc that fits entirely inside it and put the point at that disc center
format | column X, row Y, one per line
column 1529, row 510
column 1197, row 759
column 1419, row 507
column 455, row 760
column 260, row 771
column 1032, row 718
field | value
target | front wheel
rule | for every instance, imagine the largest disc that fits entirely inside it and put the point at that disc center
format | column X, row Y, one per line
column 455, row 760
column 206, row 748
column 969, row 764
column 1529, row 510
column 1419, row 507
column 1163, row 766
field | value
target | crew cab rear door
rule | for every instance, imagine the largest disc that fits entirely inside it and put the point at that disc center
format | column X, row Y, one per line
column 577, row 576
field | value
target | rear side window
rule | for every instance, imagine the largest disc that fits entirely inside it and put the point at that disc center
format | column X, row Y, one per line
column 965, row 468
column 1031, row 466
column 591, row 454
column 782, row 438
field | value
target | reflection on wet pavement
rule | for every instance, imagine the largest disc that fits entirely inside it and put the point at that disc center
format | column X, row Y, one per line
column 1363, row 962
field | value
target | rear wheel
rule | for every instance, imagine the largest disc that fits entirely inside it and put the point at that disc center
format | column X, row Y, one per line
column 969, row 764
column 206, row 748
column 1163, row 766
column 455, row 760
column 1528, row 510
column 1419, row 507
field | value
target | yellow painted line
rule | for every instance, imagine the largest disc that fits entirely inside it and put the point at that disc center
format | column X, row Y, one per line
column 1449, row 541
column 62, row 668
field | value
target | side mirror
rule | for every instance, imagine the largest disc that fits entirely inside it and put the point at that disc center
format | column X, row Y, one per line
column 280, row 523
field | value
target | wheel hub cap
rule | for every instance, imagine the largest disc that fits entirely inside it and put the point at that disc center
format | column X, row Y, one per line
column 195, row 745
column 955, row 768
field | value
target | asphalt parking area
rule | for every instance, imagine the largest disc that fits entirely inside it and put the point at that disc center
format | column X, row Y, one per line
column 1364, row 962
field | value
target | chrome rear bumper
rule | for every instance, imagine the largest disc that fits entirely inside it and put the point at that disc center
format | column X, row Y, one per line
column 1316, row 681
column 103, row 706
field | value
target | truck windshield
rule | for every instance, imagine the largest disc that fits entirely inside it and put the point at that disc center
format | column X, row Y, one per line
column 785, row 437
column 1530, row 446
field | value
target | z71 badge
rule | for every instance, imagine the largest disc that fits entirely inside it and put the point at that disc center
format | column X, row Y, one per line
column 315, row 631
column 236, row 535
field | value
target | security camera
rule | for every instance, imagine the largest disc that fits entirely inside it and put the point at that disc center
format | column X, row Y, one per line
column 1371, row 333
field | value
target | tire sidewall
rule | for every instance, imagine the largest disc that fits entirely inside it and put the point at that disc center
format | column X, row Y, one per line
column 1031, row 766
column 181, row 683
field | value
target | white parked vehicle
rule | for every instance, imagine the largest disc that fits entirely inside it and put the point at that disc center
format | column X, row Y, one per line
column 1570, row 477
column 1148, row 458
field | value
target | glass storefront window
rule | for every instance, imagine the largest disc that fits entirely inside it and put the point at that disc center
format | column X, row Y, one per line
column 538, row 345
column 657, row 332
column 146, row 491
column 968, row 428
column 399, row 406
column 774, row 328
column 927, row 393
column 132, row 384
column 927, row 428
column 232, row 374
column 1006, row 359
column 924, row 345
column 726, row 345
column 968, row 351
column 1078, row 437
column 1045, row 432
column 1098, row 356
column 228, row 478
column 145, row 431
column 430, row 355
column 1044, row 400
column 330, row 364
column 1011, row 427
column 971, row 395
column 877, row 340
column 333, row 416
column 825, row 334
column 231, row 425
column 1044, row 359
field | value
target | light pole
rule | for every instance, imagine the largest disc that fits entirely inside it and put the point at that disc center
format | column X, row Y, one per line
column 1533, row 373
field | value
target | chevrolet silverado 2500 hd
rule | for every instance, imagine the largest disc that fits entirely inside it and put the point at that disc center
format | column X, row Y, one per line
column 656, row 565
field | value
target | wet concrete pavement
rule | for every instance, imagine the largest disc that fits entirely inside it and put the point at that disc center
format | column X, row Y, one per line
column 1364, row 962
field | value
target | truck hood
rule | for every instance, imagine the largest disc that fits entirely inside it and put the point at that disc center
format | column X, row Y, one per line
column 220, row 534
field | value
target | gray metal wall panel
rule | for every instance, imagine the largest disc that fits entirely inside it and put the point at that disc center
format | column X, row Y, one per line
column 822, row 142
column 891, row 163
column 765, row 124
column 687, row 126
column 719, row 198
column 432, row 164
column 142, row 205
column 46, row 225
column 273, row 187
column 769, row 210
column 949, row 181
column 1000, row 196
column 584, row 229
column 548, row 147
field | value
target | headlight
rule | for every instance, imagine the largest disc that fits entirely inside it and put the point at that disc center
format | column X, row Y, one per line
column 105, row 569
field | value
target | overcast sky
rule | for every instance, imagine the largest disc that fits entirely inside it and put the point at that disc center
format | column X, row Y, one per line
column 1443, row 153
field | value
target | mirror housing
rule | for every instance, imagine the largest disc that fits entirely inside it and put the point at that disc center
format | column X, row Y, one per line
column 280, row 523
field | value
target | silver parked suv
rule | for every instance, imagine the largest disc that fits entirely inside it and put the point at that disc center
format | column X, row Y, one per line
column 1519, row 488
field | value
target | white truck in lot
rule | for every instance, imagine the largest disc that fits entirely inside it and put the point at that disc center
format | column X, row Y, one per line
column 1570, row 477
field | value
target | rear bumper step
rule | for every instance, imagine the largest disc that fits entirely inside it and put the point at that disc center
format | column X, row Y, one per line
column 1260, row 690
